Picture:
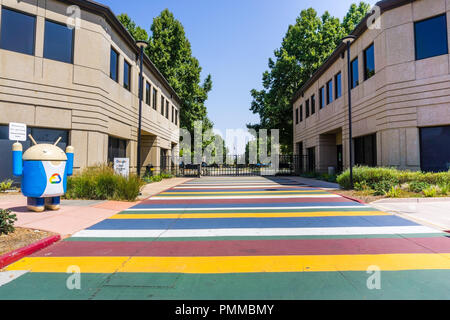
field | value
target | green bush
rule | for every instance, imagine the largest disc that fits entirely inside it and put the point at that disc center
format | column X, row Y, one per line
column 6, row 185
column 102, row 183
column 431, row 191
column 382, row 180
column 394, row 192
column 7, row 221
column 418, row 186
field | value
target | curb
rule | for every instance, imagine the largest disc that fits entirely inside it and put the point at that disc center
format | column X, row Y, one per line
column 18, row 254
column 350, row 198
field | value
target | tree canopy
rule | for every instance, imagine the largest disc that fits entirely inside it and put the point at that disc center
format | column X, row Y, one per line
column 305, row 46
column 170, row 51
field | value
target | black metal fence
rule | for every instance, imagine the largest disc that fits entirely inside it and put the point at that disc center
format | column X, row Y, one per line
column 232, row 166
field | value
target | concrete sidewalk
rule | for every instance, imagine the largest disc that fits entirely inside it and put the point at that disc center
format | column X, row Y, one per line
column 76, row 215
column 316, row 183
column 434, row 212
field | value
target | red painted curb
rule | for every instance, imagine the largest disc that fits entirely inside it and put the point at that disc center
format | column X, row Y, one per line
column 18, row 254
column 350, row 198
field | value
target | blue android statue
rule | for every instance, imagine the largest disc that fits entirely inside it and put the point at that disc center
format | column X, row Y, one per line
column 44, row 169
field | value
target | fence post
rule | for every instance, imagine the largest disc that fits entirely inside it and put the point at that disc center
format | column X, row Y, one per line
column 199, row 171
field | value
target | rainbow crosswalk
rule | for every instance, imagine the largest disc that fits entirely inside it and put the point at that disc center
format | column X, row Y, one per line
column 242, row 238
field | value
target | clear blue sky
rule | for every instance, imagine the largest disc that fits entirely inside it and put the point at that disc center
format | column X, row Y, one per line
column 233, row 40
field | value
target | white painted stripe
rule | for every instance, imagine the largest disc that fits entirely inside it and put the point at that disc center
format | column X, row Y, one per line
column 242, row 208
column 239, row 187
column 247, row 197
column 252, row 232
column 8, row 276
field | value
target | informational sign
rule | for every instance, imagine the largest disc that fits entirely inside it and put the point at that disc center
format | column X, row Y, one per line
column 122, row 166
column 17, row 131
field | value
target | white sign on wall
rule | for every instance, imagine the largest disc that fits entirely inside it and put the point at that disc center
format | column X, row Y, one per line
column 17, row 131
column 122, row 166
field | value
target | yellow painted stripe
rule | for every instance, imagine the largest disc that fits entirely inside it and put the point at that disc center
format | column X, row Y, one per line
column 238, row 192
column 249, row 215
column 386, row 262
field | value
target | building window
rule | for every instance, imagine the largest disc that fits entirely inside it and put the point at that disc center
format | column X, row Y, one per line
column 167, row 109
column 329, row 91
column 322, row 97
column 355, row 73
column 147, row 93
column 162, row 105
column 313, row 104
column 173, row 114
column 18, row 31
column 337, row 86
column 301, row 113
column 296, row 116
column 431, row 37
column 307, row 108
column 366, row 150
column 311, row 152
column 176, row 116
column 369, row 62
column 117, row 148
column 114, row 65
column 434, row 150
column 126, row 75
column 155, row 98
column 58, row 42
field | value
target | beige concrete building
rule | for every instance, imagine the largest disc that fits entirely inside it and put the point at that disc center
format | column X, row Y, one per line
column 400, row 76
column 70, row 69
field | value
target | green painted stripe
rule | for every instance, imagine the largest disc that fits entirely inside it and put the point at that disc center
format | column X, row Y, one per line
column 233, row 210
column 409, row 236
column 411, row 284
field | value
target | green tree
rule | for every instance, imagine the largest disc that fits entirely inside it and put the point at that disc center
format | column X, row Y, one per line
column 306, row 45
column 170, row 51
column 137, row 32
column 354, row 15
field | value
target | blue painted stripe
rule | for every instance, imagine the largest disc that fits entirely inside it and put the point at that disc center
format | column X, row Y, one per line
column 245, row 205
column 226, row 223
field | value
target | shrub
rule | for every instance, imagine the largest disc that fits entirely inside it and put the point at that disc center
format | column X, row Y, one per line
column 394, row 192
column 102, row 183
column 431, row 191
column 383, row 187
column 372, row 176
column 6, row 185
column 7, row 221
column 445, row 188
column 418, row 186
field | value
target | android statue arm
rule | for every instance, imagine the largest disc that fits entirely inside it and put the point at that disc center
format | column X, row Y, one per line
column 17, row 159
column 69, row 165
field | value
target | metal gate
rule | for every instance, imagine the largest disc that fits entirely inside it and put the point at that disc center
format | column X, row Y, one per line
column 233, row 166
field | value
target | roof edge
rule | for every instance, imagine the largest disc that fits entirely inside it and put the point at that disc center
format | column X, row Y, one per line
column 385, row 5
column 111, row 18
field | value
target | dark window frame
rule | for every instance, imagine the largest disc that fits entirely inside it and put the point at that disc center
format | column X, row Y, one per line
column 167, row 109
column 117, row 64
column 3, row 7
column 176, row 116
column 415, row 37
column 329, row 91
column 296, row 115
column 338, row 88
column 148, row 90
column 162, row 104
column 313, row 104
column 155, row 99
column 353, row 84
column 322, row 97
column 125, row 62
column 72, row 51
column 307, row 109
column 368, row 75
column 301, row 112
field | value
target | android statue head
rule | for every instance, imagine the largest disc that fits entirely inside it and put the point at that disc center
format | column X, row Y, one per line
column 44, row 169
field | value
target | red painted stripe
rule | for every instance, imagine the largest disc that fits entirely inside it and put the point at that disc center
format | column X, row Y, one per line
column 249, row 247
column 350, row 198
column 256, row 200
column 18, row 254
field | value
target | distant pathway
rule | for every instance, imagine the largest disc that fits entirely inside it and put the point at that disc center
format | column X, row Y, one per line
column 242, row 238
